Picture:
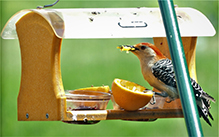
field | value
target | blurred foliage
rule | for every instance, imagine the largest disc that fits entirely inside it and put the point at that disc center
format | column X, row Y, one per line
column 99, row 63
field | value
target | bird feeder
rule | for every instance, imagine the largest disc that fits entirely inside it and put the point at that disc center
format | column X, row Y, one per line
column 40, row 33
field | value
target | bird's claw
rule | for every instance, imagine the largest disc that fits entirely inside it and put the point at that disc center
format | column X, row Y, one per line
column 170, row 100
column 154, row 100
column 163, row 94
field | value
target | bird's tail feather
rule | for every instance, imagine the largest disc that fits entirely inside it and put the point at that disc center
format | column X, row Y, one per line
column 203, row 108
column 204, row 115
column 210, row 116
column 208, row 97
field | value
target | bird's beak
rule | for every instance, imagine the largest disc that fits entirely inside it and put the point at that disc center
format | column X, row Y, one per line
column 127, row 48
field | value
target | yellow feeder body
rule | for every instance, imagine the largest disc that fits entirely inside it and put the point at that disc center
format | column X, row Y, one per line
column 41, row 95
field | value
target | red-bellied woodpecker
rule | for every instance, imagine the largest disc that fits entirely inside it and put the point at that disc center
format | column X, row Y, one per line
column 158, row 71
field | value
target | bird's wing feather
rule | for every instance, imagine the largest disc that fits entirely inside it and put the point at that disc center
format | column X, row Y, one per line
column 163, row 71
column 198, row 91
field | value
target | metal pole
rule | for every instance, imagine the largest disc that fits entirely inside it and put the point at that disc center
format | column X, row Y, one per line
column 185, row 90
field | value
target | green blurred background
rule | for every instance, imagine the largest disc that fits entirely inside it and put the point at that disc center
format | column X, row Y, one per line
column 86, row 62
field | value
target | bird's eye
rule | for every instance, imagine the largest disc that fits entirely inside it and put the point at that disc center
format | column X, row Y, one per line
column 143, row 47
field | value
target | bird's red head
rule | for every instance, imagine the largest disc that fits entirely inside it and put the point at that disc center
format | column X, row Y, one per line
column 147, row 49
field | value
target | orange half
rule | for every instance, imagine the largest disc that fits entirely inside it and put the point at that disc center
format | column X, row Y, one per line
column 105, row 89
column 130, row 95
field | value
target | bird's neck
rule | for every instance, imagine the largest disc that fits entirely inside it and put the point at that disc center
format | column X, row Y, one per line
column 148, row 62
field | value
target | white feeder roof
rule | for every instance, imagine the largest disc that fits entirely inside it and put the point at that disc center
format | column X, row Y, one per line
column 114, row 23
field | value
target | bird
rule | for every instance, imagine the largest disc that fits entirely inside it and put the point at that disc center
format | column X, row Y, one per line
column 158, row 71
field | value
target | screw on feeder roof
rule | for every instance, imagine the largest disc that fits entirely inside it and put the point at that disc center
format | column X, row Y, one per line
column 49, row 5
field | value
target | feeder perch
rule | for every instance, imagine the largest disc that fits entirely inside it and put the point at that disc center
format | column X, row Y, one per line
column 40, row 33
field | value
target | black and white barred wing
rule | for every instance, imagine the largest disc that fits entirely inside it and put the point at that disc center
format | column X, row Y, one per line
column 163, row 71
